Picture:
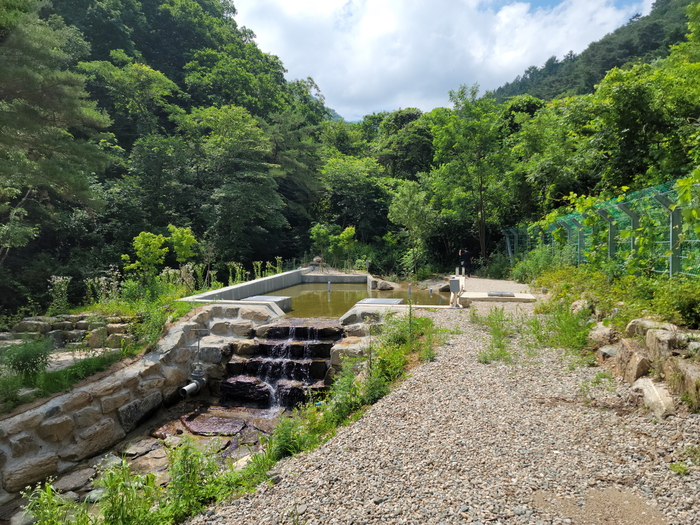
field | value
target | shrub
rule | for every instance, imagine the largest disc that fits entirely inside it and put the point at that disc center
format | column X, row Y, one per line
column 495, row 266
column 58, row 290
column 541, row 259
column 29, row 358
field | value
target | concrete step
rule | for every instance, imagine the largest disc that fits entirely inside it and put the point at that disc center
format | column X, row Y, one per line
column 294, row 349
column 301, row 331
column 272, row 370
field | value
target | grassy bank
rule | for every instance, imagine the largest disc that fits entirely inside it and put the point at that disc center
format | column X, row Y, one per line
column 197, row 478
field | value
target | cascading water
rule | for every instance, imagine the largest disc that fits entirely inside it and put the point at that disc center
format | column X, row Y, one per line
column 291, row 358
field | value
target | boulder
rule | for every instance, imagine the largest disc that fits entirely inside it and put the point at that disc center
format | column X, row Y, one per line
column 202, row 317
column 55, row 430
column 656, row 397
column 118, row 340
column 631, row 361
column 97, row 337
column 62, row 325
column 683, row 377
column 361, row 314
column 580, row 306
column 174, row 376
column 212, row 353
column 148, row 386
column 601, row 335
column 23, row 444
column 245, row 391
column 244, row 347
column 290, row 393
column 92, row 440
column 111, row 403
column 231, row 312
column 219, row 328
column 444, row 287
column 142, row 447
column 75, row 480
column 118, row 328
column 606, row 352
column 204, row 424
column 257, row 314
column 356, row 330
column 32, row 326
column 30, row 471
column 349, row 348
column 86, row 417
column 661, row 343
column 6, row 336
column 137, row 411
column 154, row 461
column 242, row 329
column 385, row 286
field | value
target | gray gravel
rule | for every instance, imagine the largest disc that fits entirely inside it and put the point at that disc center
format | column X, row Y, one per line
column 463, row 442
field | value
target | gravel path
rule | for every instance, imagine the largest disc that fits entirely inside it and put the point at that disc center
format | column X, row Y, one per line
column 463, row 442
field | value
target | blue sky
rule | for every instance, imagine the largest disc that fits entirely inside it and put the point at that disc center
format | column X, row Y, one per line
column 374, row 55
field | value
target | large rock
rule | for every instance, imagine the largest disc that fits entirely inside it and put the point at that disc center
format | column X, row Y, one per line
column 290, row 393
column 22, row 422
column 55, row 430
column 257, row 314
column 348, row 348
column 210, row 425
column 97, row 337
column 661, row 343
column 174, row 376
column 137, row 411
column 120, row 328
column 86, row 417
column 173, row 340
column 32, row 326
column 640, row 327
column 582, row 305
column 30, row 471
column 361, row 314
column 75, row 481
column 244, row 347
column 242, row 328
column 631, row 361
column 111, row 403
column 683, row 377
column 23, row 444
column 656, row 397
column 219, row 328
column 385, row 285
column 601, row 335
column 245, row 391
column 92, row 440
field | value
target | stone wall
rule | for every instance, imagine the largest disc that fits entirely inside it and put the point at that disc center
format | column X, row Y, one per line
column 65, row 430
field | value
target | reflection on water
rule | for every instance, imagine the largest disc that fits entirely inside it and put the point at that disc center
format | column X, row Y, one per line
column 314, row 300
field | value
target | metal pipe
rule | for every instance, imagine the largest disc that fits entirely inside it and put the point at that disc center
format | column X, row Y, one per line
column 197, row 383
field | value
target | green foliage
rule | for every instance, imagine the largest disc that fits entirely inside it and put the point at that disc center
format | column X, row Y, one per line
column 149, row 252
column 59, row 295
column 183, row 240
column 29, row 358
column 47, row 507
column 195, row 480
column 679, row 468
column 10, row 385
column 540, row 260
column 495, row 266
column 128, row 499
column 410, row 209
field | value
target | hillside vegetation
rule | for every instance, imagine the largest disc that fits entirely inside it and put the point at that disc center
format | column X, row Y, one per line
column 132, row 127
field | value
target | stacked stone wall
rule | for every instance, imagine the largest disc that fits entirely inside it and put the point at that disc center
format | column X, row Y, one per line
column 57, row 435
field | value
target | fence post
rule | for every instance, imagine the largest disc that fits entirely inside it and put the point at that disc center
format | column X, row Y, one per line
column 674, row 262
column 581, row 242
column 612, row 231
column 515, row 242
column 634, row 218
column 552, row 229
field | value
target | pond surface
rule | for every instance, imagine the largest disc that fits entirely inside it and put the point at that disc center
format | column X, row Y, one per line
column 314, row 300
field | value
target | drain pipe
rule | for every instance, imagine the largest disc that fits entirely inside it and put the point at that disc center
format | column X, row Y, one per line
column 197, row 379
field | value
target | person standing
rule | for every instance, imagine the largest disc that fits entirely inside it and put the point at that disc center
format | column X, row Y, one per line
column 467, row 258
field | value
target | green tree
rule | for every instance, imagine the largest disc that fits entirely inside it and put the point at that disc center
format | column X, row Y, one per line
column 48, row 141
column 183, row 241
column 410, row 208
column 469, row 146
column 150, row 253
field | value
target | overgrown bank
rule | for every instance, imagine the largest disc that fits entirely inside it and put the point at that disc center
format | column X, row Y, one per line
column 201, row 477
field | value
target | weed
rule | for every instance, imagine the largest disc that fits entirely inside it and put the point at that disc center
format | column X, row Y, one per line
column 128, row 498
column 46, row 507
column 692, row 453
column 29, row 358
column 604, row 377
column 679, row 468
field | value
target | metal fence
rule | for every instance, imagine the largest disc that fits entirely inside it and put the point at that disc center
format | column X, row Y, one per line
column 618, row 227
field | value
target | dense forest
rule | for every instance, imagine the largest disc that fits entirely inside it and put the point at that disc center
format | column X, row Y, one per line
column 120, row 117
column 642, row 40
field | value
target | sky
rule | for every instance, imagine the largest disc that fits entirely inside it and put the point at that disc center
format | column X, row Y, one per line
column 381, row 55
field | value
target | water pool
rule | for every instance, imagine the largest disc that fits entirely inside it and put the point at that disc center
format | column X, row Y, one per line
column 314, row 300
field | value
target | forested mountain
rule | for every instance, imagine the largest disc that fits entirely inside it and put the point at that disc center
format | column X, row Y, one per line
column 121, row 118
column 642, row 40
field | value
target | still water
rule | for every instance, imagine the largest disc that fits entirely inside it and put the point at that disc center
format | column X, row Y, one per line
column 314, row 300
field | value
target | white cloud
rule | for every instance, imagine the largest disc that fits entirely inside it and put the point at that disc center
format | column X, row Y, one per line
column 373, row 55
